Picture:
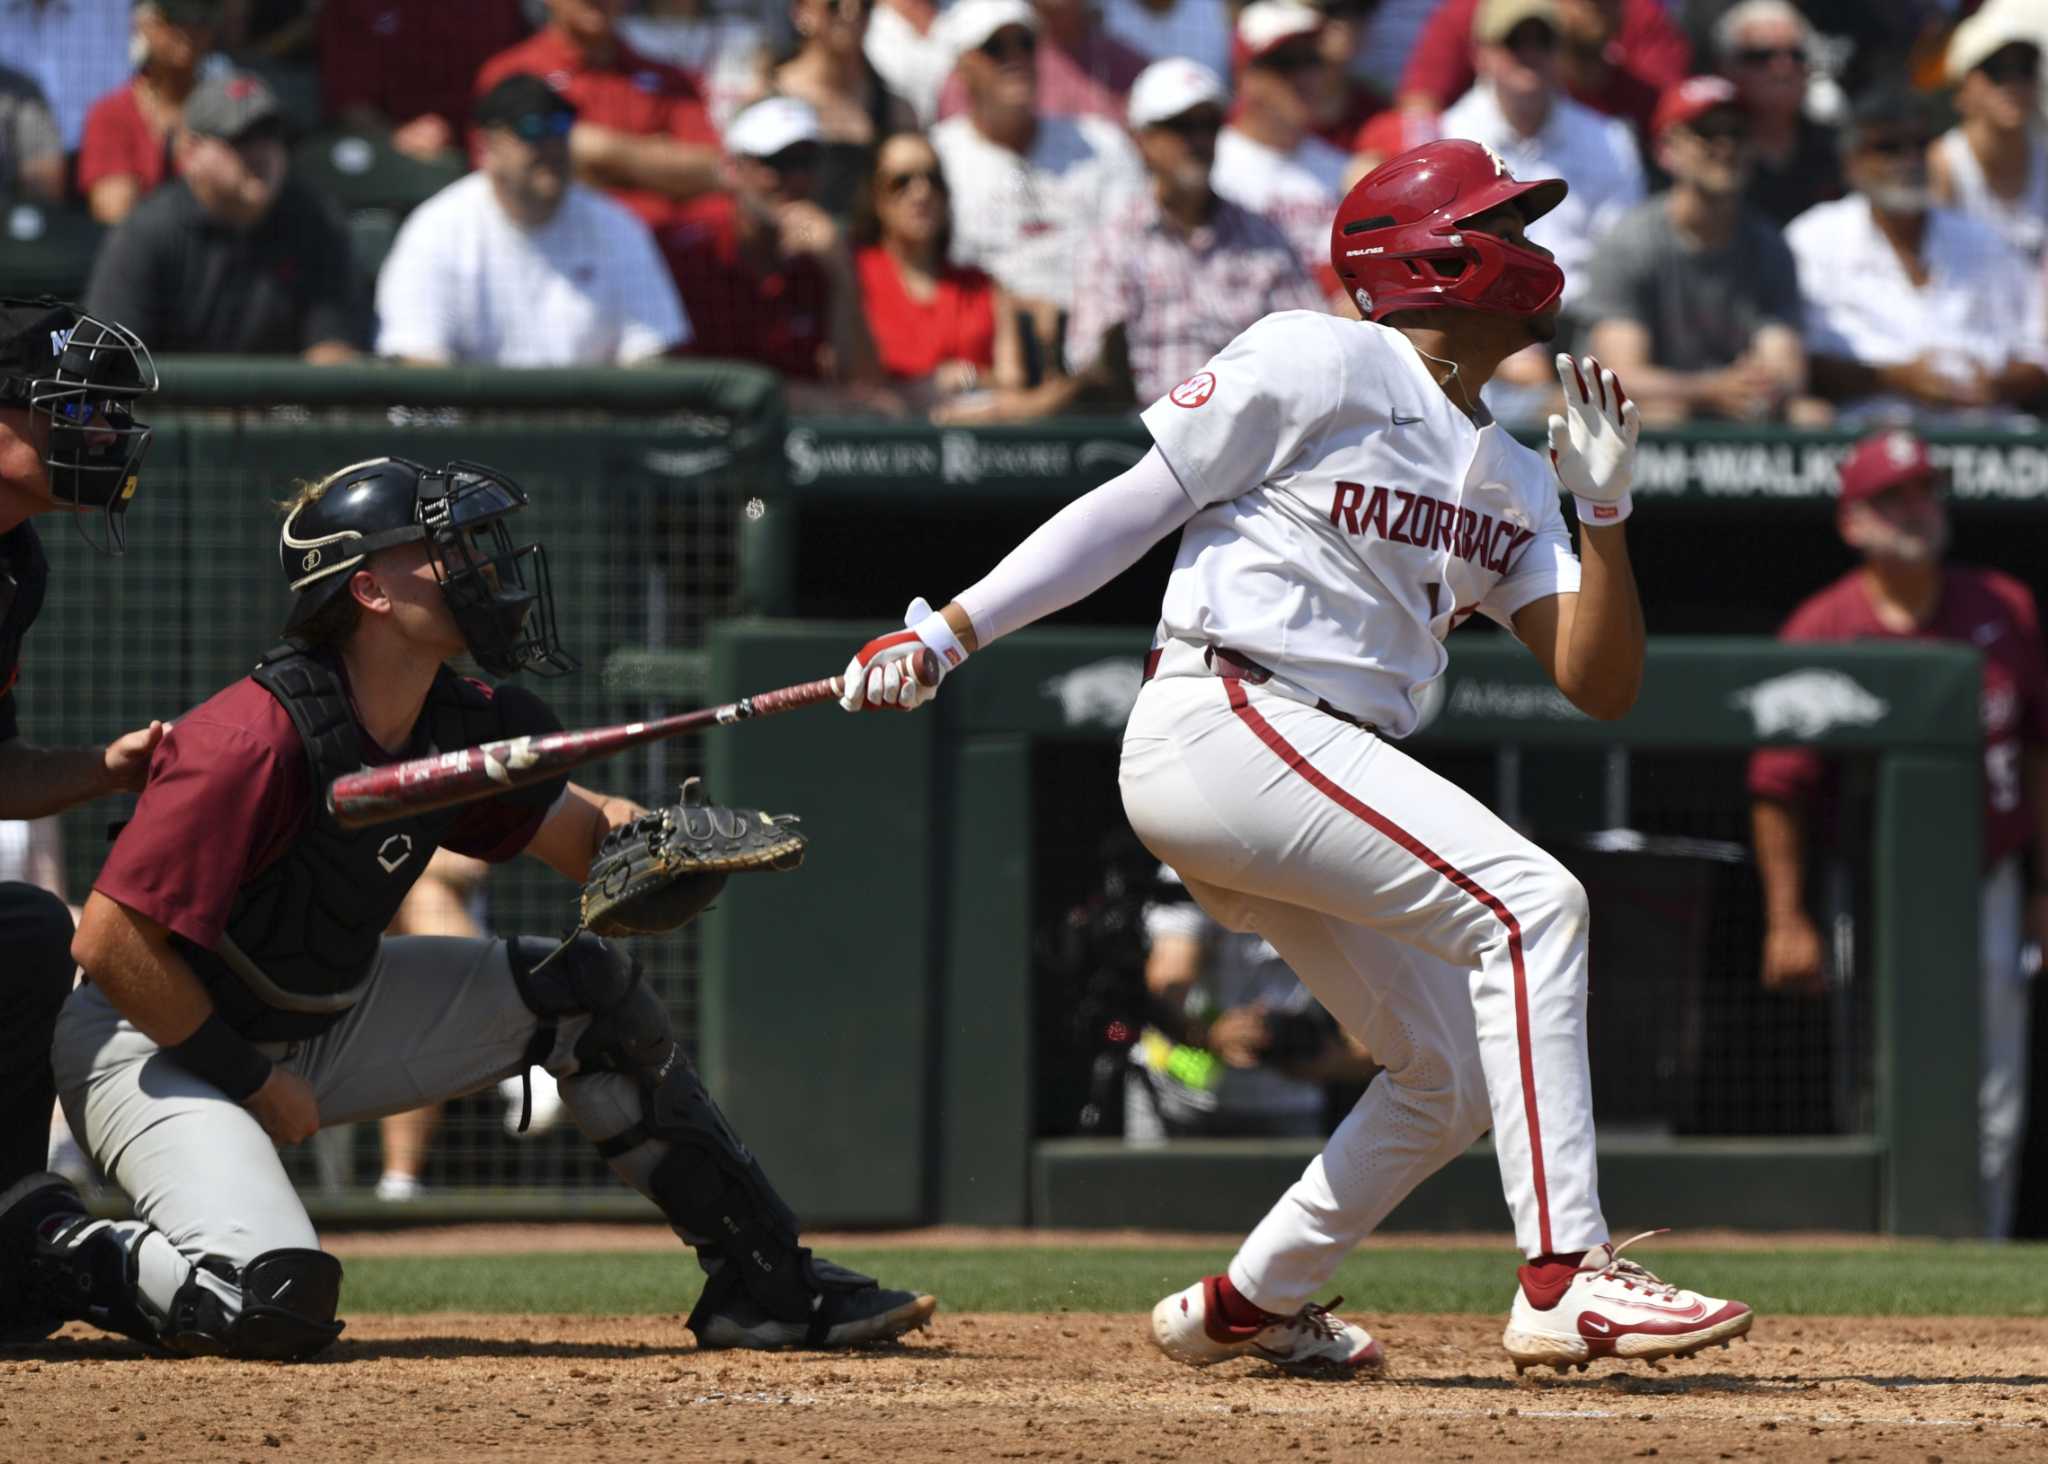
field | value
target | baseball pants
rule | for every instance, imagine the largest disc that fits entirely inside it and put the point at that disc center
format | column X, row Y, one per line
column 1435, row 933
column 441, row 1019
column 35, row 977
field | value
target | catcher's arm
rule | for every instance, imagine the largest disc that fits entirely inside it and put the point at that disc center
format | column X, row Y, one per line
column 568, row 838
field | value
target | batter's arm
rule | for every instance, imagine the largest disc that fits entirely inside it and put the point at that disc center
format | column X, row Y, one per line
column 567, row 839
column 1590, row 643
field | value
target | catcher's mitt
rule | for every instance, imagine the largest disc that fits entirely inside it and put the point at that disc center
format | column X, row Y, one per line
column 660, row 871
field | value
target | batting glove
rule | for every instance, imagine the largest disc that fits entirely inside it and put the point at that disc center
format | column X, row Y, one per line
column 1593, row 445
column 885, row 675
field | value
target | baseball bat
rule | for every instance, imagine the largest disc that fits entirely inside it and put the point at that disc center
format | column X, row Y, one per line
column 443, row 779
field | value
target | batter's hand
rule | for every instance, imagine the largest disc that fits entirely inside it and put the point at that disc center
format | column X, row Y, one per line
column 1793, row 959
column 892, row 673
column 285, row 1106
column 1593, row 445
column 127, row 757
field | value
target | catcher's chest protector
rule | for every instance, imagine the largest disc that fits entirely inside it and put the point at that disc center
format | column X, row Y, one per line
column 310, row 924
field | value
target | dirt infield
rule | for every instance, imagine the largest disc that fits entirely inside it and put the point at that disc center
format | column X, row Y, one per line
column 1084, row 1388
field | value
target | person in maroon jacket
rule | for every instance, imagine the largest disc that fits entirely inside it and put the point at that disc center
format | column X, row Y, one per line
column 1891, row 512
column 240, row 992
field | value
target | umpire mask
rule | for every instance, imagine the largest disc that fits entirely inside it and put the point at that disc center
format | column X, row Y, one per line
column 498, row 592
column 78, row 377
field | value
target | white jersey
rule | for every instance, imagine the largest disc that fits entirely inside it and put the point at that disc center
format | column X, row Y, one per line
column 1350, row 514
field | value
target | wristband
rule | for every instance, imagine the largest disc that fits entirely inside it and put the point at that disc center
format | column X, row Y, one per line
column 936, row 633
column 1603, row 515
column 224, row 1057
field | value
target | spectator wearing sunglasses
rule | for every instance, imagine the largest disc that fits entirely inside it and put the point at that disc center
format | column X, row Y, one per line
column 1910, row 308
column 855, row 108
column 1992, row 165
column 1765, row 48
column 642, row 131
column 1618, row 56
column 1695, row 300
column 1028, row 187
column 767, row 276
column 1083, row 70
column 232, row 255
column 518, row 264
column 1269, row 160
column 947, row 337
column 1179, row 272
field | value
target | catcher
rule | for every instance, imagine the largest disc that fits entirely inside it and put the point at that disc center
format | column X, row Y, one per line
column 240, row 993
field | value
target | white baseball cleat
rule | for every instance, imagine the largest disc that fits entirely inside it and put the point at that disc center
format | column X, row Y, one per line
column 1615, row 1308
column 1189, row 1327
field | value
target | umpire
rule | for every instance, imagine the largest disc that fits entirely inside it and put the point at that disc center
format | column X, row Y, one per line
column 68, row 444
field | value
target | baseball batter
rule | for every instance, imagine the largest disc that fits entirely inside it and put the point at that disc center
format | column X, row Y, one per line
column 240, row 991
column 1343, row 501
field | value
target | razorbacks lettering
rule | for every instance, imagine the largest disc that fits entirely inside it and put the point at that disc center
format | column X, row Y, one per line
column 1403, row 517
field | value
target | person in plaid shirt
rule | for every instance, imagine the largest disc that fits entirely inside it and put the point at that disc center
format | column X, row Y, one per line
column 1178, row 272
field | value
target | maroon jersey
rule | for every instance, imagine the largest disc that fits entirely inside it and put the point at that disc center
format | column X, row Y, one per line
column 229, row 790
column 1977, row 607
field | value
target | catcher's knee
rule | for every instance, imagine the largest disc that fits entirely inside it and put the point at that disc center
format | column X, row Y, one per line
column 288, row 1301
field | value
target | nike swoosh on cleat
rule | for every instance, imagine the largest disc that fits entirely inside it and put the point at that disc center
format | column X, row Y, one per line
column 1598, row 1324
column 1401, row 421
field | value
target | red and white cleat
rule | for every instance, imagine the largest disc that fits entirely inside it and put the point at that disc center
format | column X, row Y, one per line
column 1615, row 1308
column 1190, row 1327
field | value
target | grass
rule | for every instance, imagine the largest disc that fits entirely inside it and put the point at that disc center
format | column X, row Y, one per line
column 1909, row 1280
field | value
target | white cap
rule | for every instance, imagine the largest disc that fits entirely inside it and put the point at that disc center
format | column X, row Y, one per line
column 1165, row 89
column 770, row 125
column 1984, row 34
column 1269, row 23
column 969, row 24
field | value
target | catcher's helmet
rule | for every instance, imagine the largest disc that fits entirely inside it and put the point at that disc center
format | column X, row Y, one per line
column 498, row 593
column 1399, row 241
column 81, row 375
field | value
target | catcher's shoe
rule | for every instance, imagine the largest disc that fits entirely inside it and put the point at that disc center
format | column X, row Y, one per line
column 726, row 1316
column 1190, row 1327
column 25, row 1316
column 1615, row 1308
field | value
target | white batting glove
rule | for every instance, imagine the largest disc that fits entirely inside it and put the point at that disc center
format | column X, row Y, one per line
column 1593, row 445
column 883, row 674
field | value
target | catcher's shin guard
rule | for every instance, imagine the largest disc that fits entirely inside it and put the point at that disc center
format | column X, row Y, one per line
column 703, row 1178
column 289, row 1298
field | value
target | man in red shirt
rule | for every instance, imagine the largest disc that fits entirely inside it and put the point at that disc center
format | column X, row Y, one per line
column 241, row 994
column 642, row 132
column 766, row 276
column 1618, row 56
column 407, row 65
column 1891, row 512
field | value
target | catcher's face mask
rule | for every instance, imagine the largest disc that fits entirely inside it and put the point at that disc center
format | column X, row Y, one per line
column 78, row 377
column 498, row 592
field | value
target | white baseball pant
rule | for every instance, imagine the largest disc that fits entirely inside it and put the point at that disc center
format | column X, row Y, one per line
column 1438, row 935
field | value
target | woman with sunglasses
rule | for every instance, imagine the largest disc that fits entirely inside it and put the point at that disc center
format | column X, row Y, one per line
column 946, row 333
column 1991, row 164
column 855, row 108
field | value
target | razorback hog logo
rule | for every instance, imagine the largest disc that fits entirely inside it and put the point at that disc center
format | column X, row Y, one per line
column 1195, row 390
column 1402, row 517
column 1804, row 704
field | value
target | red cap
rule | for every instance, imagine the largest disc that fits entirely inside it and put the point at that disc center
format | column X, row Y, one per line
column 1691, row 99
column 1883, row 460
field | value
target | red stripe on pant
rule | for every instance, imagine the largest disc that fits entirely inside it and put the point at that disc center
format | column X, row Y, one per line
column 1268, row 734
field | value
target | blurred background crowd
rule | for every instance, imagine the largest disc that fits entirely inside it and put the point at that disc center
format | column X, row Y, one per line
column 990, row 210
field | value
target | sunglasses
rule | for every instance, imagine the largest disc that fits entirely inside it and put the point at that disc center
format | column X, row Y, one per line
column 898, row 183
column 542, row 126
column 798, row 157
column 1765, row 55
column 1895, row 147
column 1198, row 123
column 1291, row 58
column 1726, row 129
column 1531, row 38
column 2020, row 65
column 1009, row 44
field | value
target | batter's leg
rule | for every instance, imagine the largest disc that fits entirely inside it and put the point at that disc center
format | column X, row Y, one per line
column 220, row 1257
column 1263, row 797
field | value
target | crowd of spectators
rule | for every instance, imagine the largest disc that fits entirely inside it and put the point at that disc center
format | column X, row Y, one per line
column 1801, row 211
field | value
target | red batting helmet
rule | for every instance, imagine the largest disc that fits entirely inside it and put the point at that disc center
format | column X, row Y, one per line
column 1399, row 241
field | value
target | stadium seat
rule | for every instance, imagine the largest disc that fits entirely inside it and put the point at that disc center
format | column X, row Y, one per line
column 361, row 170
column 370, row 232
column 46, row 249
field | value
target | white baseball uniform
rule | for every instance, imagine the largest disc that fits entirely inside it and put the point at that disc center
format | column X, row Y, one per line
column 1341, row 516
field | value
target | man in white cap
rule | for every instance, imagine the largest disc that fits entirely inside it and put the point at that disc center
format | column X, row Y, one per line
column 1177, row 273
column 1027, row 188
column 1269, row 159
column 1519, row 109
column 768, row 277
